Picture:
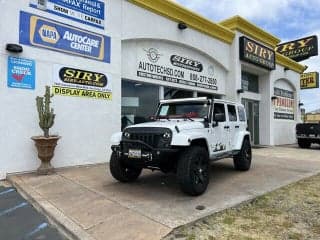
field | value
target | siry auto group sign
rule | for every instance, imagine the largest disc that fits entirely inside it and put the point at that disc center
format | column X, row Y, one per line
column 253, row 52
column 300, row 49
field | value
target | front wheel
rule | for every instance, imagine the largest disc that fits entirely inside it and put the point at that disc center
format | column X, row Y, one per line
column 242, row 161
column 193, row 170
column 121, row 172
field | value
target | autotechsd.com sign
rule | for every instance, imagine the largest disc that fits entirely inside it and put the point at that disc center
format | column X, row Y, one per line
column 90, row 12
column 45, row 33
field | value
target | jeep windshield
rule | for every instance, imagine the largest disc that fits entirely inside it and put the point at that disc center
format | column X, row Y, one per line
column 183, row 110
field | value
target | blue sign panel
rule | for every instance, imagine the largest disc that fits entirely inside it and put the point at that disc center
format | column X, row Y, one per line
column 45, row 33
column 90, row 12
column 21, row 73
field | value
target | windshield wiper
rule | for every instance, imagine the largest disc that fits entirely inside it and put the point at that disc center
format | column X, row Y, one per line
column 185, row 116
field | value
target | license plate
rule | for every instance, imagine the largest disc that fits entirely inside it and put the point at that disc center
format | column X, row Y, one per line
column 312, row 135
column 134, row 153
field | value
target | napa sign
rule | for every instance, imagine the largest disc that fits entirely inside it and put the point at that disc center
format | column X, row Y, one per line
column 45, row 33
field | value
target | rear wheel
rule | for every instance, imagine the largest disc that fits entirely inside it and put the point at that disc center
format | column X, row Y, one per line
column 303, row 143
column 193, row 170
column 242, row 161
column 121, row 172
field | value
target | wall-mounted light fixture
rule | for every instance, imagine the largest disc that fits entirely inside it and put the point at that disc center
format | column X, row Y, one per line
column 300, row 104
column 15, row 48
column 182, row 25
column 240, row 90
column 274, row 98
column 286, row 69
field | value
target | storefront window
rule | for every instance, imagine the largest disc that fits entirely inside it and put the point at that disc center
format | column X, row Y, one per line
column 139, row 102
column 171, row 93
column 250, row 82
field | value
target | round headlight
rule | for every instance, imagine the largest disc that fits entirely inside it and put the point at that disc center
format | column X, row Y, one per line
column 126, row 134
column 167, row 135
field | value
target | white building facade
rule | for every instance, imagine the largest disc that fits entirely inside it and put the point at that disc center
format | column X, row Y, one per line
column 110, row 62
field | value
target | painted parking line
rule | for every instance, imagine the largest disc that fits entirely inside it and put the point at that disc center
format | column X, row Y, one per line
column 23, row 204
column 36, row 230
column 7, row 191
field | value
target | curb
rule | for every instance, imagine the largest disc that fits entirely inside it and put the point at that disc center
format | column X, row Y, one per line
column 65, row 225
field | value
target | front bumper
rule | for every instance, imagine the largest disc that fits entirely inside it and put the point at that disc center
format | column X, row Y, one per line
column 150, row 156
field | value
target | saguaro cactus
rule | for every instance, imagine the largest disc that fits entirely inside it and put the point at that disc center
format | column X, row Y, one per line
column 46, row 115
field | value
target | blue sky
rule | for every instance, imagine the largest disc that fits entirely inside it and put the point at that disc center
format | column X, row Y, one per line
column 286, row 19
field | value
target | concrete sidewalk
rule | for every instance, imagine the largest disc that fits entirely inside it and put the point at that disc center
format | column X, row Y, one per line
column 89, row 204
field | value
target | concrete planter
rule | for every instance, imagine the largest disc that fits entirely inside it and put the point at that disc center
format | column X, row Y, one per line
column 45, row 147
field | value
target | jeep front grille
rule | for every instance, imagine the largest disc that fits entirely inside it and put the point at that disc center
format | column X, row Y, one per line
column 151, row 136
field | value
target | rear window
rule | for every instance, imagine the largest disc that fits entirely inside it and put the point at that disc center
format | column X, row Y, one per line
column 242, row 114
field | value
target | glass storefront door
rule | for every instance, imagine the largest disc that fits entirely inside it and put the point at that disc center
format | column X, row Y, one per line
column 252, row 111
column 139, row 102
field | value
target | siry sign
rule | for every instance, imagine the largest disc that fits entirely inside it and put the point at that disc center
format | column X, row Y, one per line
column 253, row 52
column 300, row 49
column 186, row 63
column 75, row 82
column 309, row 80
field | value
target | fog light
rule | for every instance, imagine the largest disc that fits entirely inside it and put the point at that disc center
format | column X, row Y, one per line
column 127, row 135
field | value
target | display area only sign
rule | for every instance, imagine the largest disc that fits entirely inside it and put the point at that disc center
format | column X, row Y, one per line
column 90, row 12
column 21, row 73
column 45, row 33
column 69, row 81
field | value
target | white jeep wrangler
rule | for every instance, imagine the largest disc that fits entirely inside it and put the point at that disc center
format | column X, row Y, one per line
column 185, row 135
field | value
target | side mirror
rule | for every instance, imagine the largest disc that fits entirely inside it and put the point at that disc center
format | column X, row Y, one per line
column 152, row 118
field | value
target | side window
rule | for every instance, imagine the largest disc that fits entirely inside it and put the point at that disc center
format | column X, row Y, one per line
column 232, row 113
column 242, row 114
column 219, row 113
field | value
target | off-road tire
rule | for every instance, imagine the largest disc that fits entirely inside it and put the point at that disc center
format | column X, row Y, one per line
column 121, row 172
column 303, row 143
column 242, row 161
column 193, row 170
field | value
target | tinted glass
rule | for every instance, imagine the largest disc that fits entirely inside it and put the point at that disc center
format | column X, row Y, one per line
column 241, row 113
column 232, row 113
column 249, row 82
column 219, row 109
column 139, row 102
column 182, row 110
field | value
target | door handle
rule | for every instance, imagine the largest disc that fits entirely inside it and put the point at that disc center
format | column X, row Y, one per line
column 226, row 127
column 237, row 126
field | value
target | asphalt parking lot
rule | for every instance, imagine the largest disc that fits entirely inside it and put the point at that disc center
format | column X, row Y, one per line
column 19, row 220
column 95, row 205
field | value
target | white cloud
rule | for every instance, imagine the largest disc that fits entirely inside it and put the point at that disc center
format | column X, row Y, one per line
column 286, row 14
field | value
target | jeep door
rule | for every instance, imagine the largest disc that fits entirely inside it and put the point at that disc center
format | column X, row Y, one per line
column 234, row 125
column 218, row 139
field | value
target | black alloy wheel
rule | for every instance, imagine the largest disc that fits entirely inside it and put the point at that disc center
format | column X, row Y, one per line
column 121, row 172
column 193, row 170
column 242, row 161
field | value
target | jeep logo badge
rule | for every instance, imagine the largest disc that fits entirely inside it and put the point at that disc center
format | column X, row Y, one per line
column 186, row 63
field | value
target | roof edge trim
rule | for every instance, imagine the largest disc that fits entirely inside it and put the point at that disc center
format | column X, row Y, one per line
column 176, row 12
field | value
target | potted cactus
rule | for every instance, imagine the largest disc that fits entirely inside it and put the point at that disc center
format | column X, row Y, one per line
column 47, row 143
